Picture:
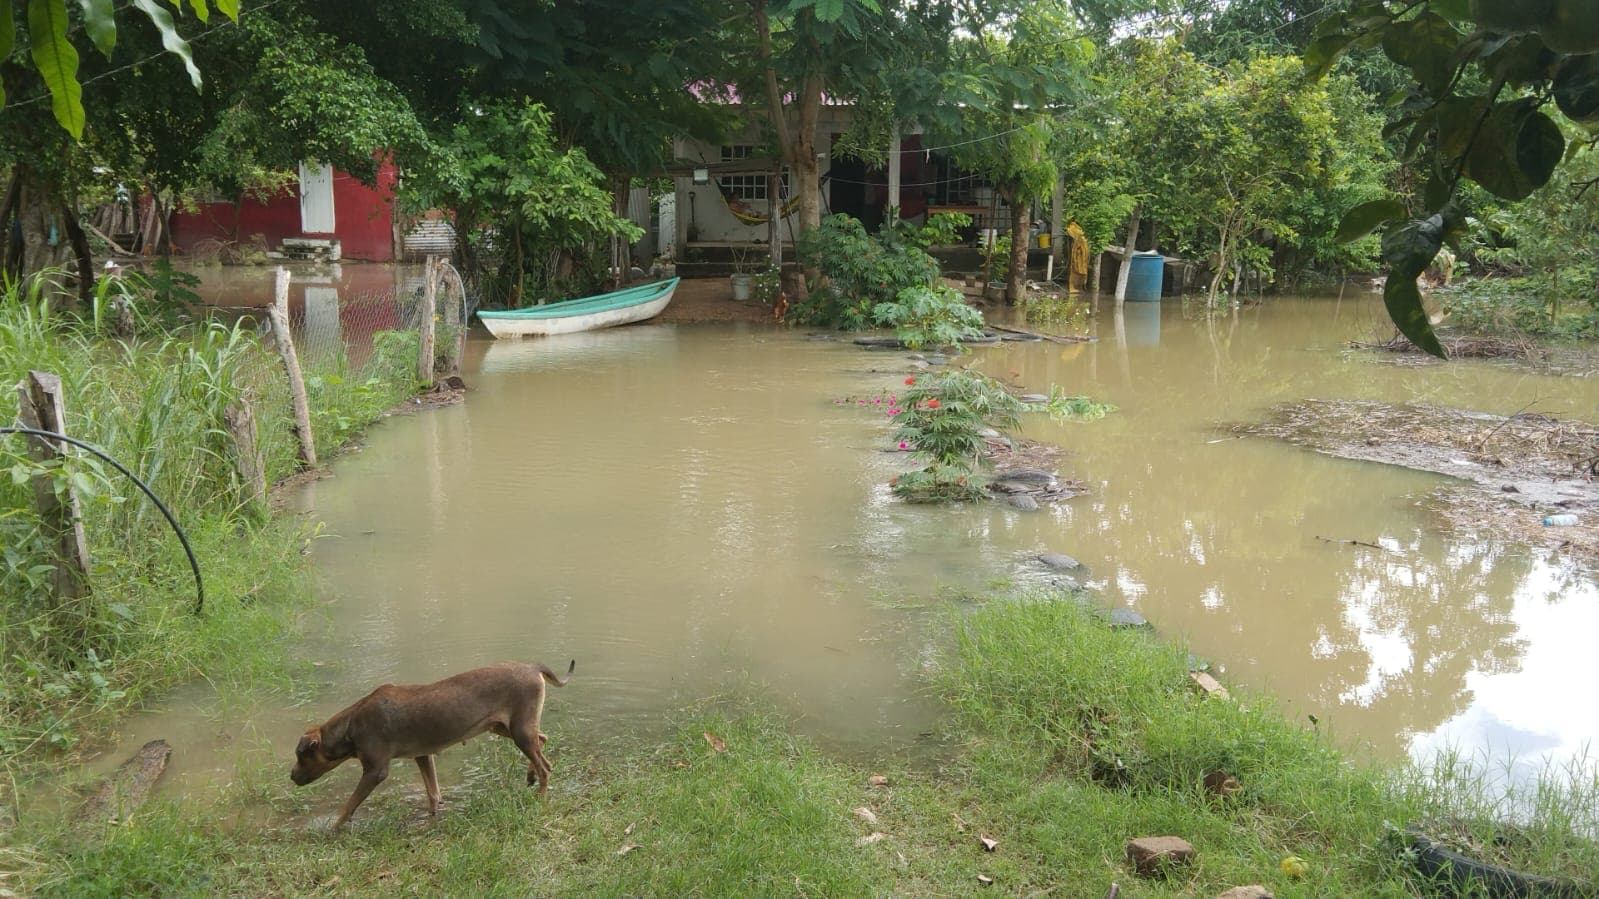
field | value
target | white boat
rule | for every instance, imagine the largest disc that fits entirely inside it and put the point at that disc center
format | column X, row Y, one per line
column 621, row 307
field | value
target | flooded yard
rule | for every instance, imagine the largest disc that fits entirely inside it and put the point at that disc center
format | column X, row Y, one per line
column 689, row 512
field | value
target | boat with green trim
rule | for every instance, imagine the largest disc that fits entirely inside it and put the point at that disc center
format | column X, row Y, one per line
column 620, row 307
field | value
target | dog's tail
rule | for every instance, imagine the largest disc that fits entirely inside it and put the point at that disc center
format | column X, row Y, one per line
column 552, row 677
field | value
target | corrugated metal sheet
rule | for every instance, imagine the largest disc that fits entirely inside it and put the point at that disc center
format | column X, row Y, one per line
column 430, row 237
column 316, row 198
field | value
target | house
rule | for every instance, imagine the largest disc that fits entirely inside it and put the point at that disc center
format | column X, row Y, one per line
column 722, row 194
column 326, row 209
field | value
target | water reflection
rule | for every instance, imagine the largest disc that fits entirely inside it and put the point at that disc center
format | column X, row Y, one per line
column 686, row 511
column 1426, row 641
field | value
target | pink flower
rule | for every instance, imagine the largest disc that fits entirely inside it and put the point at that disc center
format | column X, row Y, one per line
column 894, row 411
column 903, row 445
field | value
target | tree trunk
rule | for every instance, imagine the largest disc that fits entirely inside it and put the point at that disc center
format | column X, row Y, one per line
column 1057, row 227
column 805, row 166
column 1126, row 268
column 774, row 217
column 80, row 249
column 1094, row 260
column 38, row 211
column 1016, row 284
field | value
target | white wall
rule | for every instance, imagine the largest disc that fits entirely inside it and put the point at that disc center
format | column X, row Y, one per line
column 701, row 204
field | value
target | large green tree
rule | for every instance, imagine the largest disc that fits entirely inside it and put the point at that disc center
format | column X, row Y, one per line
column 1487, row 80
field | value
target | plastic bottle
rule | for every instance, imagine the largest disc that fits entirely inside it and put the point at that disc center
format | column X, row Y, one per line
column 1564, row 519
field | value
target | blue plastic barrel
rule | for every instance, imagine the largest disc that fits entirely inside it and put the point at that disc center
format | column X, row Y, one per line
column 1144, row 281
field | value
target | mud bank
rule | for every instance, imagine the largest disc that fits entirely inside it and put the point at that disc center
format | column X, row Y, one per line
column 1515, row 470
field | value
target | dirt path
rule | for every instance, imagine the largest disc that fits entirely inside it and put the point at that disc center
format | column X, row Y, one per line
column 711, row 300
column 1516, row 470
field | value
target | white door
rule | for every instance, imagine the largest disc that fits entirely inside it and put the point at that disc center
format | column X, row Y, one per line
column 316, row 198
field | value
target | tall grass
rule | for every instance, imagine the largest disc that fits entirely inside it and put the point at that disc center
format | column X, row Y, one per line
column 154, row 402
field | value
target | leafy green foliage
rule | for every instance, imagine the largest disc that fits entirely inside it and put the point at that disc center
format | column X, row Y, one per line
column 502, row 168
column 941, row 229
column 155, row 402
column 1498, row 136
column 55, row 59
column 941, row 419
column 930, row 316
column 859, row 272
column 1551, row 241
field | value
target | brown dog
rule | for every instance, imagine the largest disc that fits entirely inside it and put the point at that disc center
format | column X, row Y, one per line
column 418, row 721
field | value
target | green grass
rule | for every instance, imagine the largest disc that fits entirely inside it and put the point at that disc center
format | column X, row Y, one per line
column 155, row 402
column 1073, row 738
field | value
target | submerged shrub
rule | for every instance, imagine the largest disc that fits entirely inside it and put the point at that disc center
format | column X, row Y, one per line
column 859, row 272
column 930, row 316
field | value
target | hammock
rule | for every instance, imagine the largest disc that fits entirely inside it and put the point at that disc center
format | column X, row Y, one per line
column 748, row 214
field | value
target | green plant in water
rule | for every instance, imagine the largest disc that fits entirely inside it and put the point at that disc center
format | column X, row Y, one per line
column 930, row 316
column 1079, row 407
column 859, row 271
column 941, row 419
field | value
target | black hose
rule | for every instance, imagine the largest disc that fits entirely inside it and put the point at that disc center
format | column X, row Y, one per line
column 199, row 585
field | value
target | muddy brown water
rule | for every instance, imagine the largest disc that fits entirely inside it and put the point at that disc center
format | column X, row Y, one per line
column 691, row 512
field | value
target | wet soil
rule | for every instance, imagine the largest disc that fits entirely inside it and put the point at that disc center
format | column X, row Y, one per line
column 711, row 300
column 1519, row 468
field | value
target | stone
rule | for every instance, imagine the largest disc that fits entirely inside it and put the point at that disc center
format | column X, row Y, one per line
column 1208, row 684
column 1023, row 502
column 1029, row 476
column 1152, row 856
column 916, row 357
column 937, row 359
column 919, row 365
column 1060, row 561
column 1253, row 891
column 879, row 342
column 1034, row 398
column 989, row 434
column 1120, row 618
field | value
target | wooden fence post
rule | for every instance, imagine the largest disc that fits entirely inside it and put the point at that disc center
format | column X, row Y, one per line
column 451, row 279
column 430, row 303
column 239, row 419
column 291, row 365
column 39, row 397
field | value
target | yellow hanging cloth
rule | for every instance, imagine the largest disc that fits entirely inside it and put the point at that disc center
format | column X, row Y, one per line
column 1078, row 276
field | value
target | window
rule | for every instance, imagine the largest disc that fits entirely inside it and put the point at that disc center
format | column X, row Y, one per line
column 953, row 187
column 746, row 185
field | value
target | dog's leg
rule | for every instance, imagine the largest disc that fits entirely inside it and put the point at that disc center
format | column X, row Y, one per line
column 538, row 768
column 430, row 781
column 371, row 776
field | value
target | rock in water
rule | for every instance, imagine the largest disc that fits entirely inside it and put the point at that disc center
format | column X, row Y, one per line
column 1119, row 618
column 1034, row 398
column 1029, row 476
column 1023, row 502
column 1060, row 561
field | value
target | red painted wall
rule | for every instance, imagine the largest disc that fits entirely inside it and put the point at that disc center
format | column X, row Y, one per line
column 363, row 215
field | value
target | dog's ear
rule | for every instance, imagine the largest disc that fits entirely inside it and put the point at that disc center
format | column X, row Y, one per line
column 309, row 742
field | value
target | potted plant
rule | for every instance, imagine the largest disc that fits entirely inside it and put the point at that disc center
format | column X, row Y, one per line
column 742, row 280
column 996, row 261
